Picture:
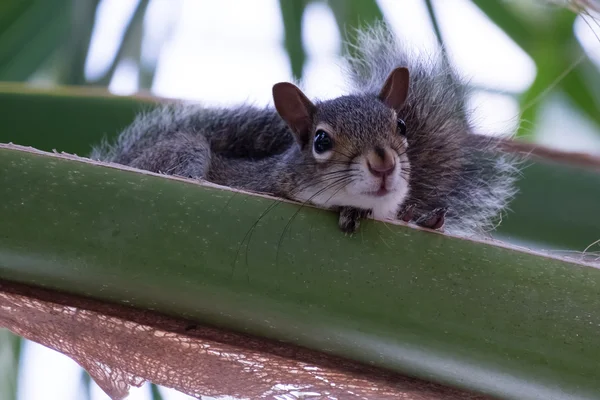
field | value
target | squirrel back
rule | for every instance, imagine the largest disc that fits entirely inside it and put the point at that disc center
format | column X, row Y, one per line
column 242, row 131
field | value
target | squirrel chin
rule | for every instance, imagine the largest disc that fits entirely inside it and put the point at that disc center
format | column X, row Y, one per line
column 383, row 206
column 378, row 193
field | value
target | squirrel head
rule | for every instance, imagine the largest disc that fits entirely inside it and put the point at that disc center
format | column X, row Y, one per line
column 354, row 147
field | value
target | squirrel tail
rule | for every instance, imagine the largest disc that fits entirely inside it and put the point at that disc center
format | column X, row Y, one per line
column 372, row 54
column 485, row 184
column 377, row 50
column 485, row 188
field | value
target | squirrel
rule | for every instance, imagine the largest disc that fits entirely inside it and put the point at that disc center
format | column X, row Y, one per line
column 399, row 146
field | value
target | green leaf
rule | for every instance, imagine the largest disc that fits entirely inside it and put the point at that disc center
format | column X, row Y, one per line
column 76, row 47
column 10, row 11
column 460, row 312
column 533, row 98
column 86, row 384
column 352, row 14
column 555, row 207
column 131, row 41
column 65, row 119
column 550, row 40
column 581, row 86
column 155, row 392
column 32, row 36
column 38, row 33
column 10, row 355
column 434, row 22
column 291, row 14
column 511, row 22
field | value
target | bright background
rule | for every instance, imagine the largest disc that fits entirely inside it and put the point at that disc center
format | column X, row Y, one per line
column 231, row 51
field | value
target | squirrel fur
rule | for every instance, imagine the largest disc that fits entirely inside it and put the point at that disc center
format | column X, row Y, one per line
column 399, row 145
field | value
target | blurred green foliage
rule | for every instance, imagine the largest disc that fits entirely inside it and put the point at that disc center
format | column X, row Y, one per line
column 10, row 355
column 546, row 33
column 53, row 36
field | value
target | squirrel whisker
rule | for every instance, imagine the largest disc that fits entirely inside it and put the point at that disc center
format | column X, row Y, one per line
column 341, row 182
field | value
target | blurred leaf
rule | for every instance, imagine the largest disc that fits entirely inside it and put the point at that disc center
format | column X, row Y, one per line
column 148, row 53
column 291, row 13
column 155, row 392
column 77, row 44
column 552, row 44
column 532, row 99
column 349, row 15
column 147, row 71
column 132, row 46
column 582, row 86
column 434, row 23
column 353, row 14
column 86, row 384
column 556, row 208
column 563, row 67
column 512, row 23
column 35, row 32
column 10, row 11
column 31, row 36
column 131, row 38
column 10, row 355
column 82, row 122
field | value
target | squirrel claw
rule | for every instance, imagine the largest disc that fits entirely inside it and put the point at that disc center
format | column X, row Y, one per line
column 349, row 225
column 407, row 213
column 434, row 219
column 349, row 228
column 350, row 219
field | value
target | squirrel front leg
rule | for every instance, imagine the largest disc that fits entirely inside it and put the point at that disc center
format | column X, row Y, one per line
column 434, row 219
column 350, row 218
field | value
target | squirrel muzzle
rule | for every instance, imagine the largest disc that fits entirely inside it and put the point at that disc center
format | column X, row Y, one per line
column 381, row 162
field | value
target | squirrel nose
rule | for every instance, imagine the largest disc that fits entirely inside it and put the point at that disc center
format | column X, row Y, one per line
column 381, row 162
column 382, row 170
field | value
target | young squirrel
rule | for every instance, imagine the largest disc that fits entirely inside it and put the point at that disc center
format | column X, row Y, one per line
column 400, row 146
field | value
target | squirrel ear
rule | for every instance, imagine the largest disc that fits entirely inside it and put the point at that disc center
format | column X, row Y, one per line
column 395, row 88
column 295, row 109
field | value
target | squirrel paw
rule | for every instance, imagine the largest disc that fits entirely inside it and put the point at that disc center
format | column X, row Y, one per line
column 350, row 219
column 407, row 213
column 434, row 219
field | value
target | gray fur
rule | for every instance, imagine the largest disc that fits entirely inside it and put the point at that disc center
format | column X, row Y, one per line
column 245, row 147
column 253, row 148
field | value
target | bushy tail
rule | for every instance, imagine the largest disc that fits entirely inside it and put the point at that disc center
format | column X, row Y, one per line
column 376, row 51
column 485, row 189
column 450, row 165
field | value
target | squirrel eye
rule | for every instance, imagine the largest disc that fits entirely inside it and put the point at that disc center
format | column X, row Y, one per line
column 401, row 127
column 323, row 142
